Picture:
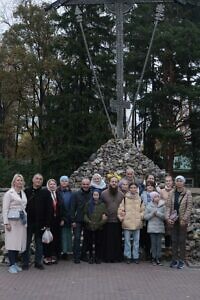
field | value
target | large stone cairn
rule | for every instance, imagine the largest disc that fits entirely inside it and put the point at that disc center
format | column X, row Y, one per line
column 116, row 156
column 193, row 238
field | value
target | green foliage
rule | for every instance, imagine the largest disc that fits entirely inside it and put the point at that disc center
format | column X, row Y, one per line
column 8, row 168
column 169, row 81
column 52, row 115
column 58, row 105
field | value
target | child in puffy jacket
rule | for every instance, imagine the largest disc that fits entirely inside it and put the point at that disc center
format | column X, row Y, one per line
column 95, row 217
column 155, row 215
column 130, row 213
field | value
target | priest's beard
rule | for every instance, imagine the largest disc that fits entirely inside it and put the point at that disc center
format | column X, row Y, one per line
column 112, row 190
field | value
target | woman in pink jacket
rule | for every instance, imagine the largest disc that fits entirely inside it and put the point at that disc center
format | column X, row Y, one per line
column 14, row 218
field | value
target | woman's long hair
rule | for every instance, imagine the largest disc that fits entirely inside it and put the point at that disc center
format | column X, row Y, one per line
column 15, row 177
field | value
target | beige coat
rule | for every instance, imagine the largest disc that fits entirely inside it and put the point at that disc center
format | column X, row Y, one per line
column 131, row 212
column 16, row 238
column 164, row 194
column 185, row 205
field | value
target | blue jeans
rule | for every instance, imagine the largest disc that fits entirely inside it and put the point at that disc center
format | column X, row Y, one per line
column 156, row 240
column 66, row 234
column 12, row 256
column 127, row 243
column 38, row 245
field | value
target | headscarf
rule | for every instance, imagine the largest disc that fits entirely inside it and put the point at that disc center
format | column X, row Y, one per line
column 53, row 194
column 101, row 185
column 51, row 179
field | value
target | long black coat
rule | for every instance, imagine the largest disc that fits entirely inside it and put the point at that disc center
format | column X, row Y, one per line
column 39, row 207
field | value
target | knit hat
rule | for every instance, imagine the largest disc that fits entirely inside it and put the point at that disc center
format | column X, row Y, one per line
column 153, row 195
column 180, row 177
column 64, row 178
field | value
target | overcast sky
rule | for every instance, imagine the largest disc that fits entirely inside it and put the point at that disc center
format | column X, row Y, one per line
column 6, row 9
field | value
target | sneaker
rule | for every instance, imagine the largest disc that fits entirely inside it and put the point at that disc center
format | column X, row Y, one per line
column 18, row 268
column 136, row 261
column 54, row 260
column 47, row 261
column 128, row 261
column 180, row 264
column 12, row 270
column 174, row 264
column 158, row 262
column 153, row 261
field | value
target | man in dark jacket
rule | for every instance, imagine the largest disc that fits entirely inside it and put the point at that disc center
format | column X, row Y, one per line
column 79, row 199
column 38, row 219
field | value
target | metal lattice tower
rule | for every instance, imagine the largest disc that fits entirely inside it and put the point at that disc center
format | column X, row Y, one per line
column 120, row 7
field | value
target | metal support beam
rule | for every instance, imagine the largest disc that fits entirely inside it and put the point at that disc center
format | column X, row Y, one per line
column 59, row 3
column 119, row 67
column 119, row 10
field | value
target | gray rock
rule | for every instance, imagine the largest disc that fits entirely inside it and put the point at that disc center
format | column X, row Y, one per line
column 116, row 156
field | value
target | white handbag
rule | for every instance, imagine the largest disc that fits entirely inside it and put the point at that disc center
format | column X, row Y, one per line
column 13, row 214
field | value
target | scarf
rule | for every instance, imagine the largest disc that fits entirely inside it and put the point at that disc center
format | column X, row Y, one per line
column 148, row 197
column 99, row 186
column 53, row 196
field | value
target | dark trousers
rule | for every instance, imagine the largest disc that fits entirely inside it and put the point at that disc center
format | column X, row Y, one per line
column 95, row 239
column 38, row 245
column 79, row 251
column 12, row 256
column 168, row 241
column 145, row 242
column 178, row 235
column 54, row 248
column 112, row 242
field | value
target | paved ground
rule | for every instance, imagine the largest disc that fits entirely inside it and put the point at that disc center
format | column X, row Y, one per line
column 101, row 282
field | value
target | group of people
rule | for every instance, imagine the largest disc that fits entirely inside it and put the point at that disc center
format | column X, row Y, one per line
column 91, row 221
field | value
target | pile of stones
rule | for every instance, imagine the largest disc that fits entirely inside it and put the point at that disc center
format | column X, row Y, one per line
column 193, row 241
column 1, row 227
column 116, row 156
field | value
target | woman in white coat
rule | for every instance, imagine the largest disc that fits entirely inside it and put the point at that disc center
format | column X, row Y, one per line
column 14, row 218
